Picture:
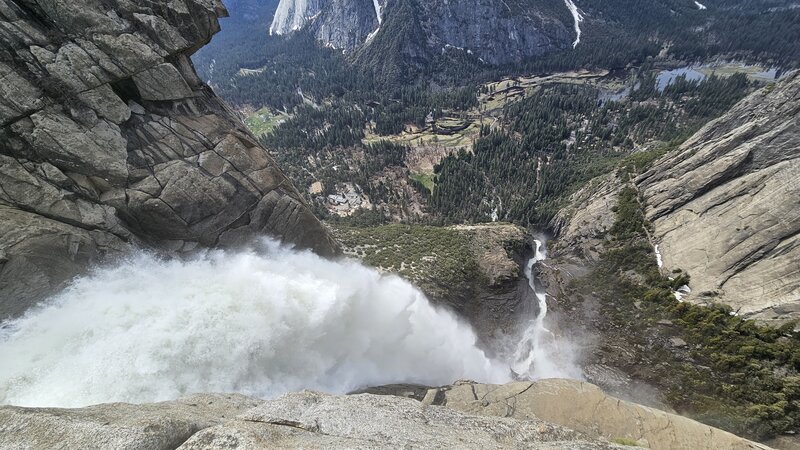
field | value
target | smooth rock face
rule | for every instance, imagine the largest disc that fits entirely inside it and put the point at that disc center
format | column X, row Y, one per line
column 319, row 421
column 547, row 414
column 108, row 139
column 726, row 206
column 156, row 426
column 341, row 24
column 585, row 408
column 293, row 15
column 582, row 226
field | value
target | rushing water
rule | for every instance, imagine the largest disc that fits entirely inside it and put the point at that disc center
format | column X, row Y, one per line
column 540, row 353
column 260, row 322
column 577, row 19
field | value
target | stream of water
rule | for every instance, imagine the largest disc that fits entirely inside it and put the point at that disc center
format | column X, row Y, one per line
column 540, row 353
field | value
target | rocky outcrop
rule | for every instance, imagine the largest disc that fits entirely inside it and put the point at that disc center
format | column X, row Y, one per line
column 474, row 270
column 726, row 206
column 497, row 298
column 119, row 426
column 497, row 31
column 108, row 139
column 549, row 414
column 584, row 407
column 314, row 420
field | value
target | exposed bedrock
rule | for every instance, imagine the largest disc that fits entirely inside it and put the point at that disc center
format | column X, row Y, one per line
column 548, row 414
column 109, row 140
column 726, row 206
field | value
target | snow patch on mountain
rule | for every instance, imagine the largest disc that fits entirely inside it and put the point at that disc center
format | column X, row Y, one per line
column 578, row 18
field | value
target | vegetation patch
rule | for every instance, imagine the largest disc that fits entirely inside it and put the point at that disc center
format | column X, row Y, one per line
column 626, row 441
column 435, row 258
column 425, row 180
column 448, row 263
column 264, row 121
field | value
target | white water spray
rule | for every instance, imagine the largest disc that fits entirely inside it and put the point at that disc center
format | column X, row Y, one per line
column 577, row 19
column 540, row 354
column 259, row 322
column 378, row 12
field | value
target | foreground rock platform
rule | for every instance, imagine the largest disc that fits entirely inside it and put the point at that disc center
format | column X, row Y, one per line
column 548, row 414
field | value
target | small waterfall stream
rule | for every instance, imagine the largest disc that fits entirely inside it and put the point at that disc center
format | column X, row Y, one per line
column 540, row 353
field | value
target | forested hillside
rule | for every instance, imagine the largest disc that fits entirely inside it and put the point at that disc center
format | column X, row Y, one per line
column 560, row 137
column 615, row 34
column 506, row 156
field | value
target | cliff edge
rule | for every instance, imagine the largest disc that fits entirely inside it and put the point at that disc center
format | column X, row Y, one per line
column 108, row 140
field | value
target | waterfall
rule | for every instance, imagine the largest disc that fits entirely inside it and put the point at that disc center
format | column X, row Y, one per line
column 540, row 353
column 378, row 12
column 260, row 322
column 577, row 18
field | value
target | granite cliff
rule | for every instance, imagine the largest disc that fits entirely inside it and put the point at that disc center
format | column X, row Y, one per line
column 723, row 207
column 496, row 31
column 342, row 24
column 663, row 262
column 109, row 140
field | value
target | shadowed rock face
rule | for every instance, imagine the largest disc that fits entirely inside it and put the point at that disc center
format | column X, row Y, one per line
column 726, row 206
column 108, row 139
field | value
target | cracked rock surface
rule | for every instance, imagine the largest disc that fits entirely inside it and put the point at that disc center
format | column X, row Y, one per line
column 584, row 407
column 726, row 206
column 121, row 426
column 547, row 414
column 305, row 419
column 108, row 140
